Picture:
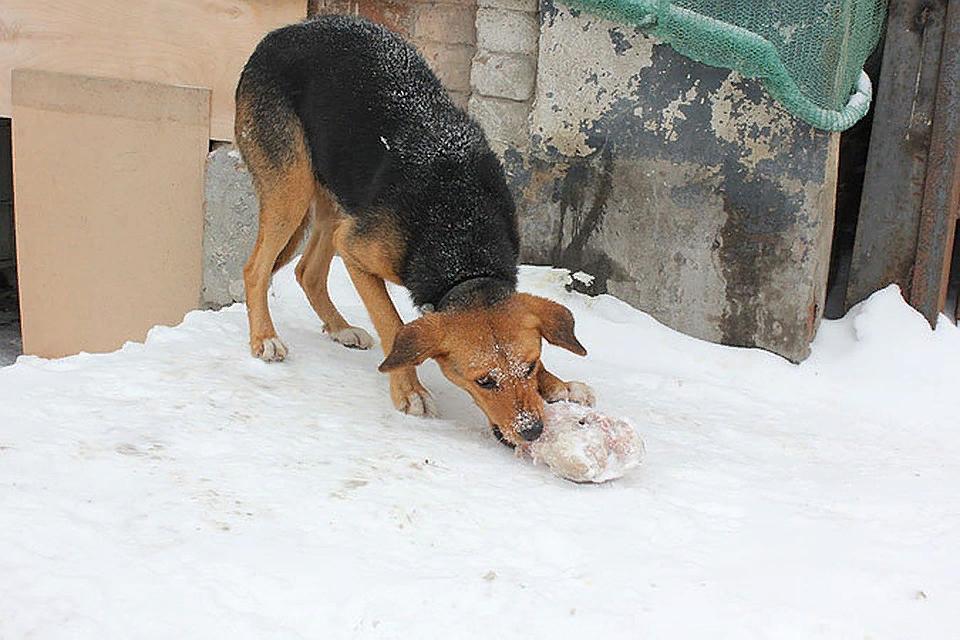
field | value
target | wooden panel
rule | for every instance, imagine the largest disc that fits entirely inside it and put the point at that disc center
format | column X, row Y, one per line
column 191, row 42
column 108, row 176
column 889, row 221
column 941, row 191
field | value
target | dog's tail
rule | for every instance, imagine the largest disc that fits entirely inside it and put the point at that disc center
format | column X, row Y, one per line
column 268, row 130
column 271, row 138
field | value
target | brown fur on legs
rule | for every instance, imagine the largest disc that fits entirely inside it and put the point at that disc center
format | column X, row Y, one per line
column 285, row 192
column 289, row 251
column 406, row 391
column 371, row 259
column 314, row 268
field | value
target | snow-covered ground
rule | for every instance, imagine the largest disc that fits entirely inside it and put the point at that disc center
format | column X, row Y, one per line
column 181, row 489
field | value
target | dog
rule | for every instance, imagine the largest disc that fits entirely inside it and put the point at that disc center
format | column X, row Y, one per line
column 346, row 130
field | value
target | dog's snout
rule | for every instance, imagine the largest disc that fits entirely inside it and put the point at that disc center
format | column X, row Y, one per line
column 528, row 425
column 532, row 430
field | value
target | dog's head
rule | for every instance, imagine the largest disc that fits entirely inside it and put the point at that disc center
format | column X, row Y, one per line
column 492, row 353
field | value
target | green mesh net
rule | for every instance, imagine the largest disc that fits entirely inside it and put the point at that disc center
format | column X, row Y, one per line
column 809, row 54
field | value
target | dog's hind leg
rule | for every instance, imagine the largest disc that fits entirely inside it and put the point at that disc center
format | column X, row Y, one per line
column 281, row 212
column 314, row 269
column 293, row 244
column 270, row 137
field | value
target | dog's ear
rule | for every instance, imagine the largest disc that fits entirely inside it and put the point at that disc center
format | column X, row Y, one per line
column 554, row 321
column 414, row 343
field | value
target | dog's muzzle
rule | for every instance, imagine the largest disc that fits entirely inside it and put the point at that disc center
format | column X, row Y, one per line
column 528, row 426
column 532, row 432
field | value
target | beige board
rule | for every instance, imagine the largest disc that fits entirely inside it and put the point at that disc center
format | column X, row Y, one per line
column 180, row 42
column 108, row 177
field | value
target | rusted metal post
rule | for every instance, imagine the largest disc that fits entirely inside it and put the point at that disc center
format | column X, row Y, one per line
column 941, row 192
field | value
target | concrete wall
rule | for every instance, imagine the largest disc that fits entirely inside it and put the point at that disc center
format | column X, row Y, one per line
column 682, row 188
column 229, row 226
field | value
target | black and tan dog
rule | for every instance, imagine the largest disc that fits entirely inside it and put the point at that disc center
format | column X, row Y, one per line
column 345, row 128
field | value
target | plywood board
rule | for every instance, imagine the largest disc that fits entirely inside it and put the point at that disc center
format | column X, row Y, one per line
column 181, row 42
column 108, row 176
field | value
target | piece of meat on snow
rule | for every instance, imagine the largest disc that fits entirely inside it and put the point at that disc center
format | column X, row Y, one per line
column 583, row 445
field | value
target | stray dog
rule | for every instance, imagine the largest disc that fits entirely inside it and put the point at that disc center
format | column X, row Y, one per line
column 344, row 128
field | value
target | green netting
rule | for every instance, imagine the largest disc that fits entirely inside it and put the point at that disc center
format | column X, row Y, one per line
column 808, row 53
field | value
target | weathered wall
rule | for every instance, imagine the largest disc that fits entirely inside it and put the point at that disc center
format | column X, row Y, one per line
column 683, row 188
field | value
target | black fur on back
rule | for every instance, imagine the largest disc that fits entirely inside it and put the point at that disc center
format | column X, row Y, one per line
column 387, row 141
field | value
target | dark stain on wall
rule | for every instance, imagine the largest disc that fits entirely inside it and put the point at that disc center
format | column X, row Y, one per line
column 582, row 193
column 564, row 206
column 620, row 42
column 754, row 245
column 548, row 12
column 800, row 147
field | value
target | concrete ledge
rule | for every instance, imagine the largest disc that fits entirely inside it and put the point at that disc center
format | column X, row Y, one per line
column 507, row 31
column 229, row 227
column 504, row 121
column 503, row 75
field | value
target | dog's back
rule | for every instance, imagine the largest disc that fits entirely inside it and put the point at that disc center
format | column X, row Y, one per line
column 383, row 136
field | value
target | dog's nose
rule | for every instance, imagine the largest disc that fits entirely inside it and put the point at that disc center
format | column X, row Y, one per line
column 532, row 431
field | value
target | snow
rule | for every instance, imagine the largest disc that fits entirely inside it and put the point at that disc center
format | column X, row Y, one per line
column 861, row 97
column 584, row 278
column 182, row 489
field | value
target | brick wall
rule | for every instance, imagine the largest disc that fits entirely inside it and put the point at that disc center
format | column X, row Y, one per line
column 504, row 70
column 443, row 30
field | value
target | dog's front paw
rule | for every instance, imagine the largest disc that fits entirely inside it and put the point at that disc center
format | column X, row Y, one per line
column 577, row 392
column 411, row 397
column 268, row 349
column 420, row 404
column 352, row 338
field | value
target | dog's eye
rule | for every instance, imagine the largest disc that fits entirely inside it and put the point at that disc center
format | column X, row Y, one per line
column 531, row 369
column 487, row 382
